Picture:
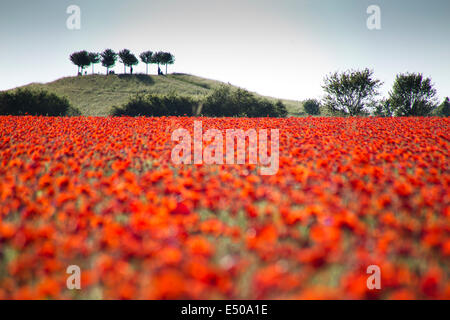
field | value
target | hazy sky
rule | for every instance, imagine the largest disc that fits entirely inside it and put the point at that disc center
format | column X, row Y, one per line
column 281, row 48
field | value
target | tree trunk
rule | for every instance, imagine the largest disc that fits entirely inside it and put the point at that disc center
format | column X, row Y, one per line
column 166, row 69
column 124, row 68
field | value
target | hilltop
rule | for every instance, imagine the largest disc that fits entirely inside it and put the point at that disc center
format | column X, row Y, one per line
column 95, row 95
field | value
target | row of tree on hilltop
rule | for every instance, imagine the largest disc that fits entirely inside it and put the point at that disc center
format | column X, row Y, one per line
column 108, row 58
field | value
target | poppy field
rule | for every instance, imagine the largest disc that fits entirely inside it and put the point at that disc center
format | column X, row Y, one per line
column 104, row 195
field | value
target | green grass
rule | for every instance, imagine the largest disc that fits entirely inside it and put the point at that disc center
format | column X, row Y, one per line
column 95, row 95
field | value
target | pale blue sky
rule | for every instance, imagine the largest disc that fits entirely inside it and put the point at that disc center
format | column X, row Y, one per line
column 281, row 48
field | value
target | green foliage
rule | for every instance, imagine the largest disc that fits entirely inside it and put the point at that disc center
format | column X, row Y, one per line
column 223, row 102
column 146, row 57
column 444, row 109
column 281, row 109
column 412, row 95
column 127, row 58
column 226, row 102
column 383, row 108
column 157, row 59
column 81, row 59
column 167, row 58
column 29, row 102
column 312, row 107
column 94, row 58
column 153, row 105
column 109, row 58
column 351, row 92
column 94, row 95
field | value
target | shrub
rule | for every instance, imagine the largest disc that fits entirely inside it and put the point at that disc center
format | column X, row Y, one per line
column 157, row 106
column 221, row 103
column 25, row 101
column 444, row 109
column 227, row 102
column 383, row 108
column 280, row 109
column 312, row 107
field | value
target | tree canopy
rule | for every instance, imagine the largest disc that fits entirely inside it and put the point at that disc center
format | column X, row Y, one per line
column 412, row 95
column 94, row 58
column 80, row 59
column 146, row 57
column 127, row 58
column 312, row 107
column 158, row 58
column 351, row 92
column 444, row 108
column 167, row 58
column 109, row 58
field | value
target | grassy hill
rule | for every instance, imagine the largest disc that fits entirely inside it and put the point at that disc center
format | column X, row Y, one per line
column 95, row 95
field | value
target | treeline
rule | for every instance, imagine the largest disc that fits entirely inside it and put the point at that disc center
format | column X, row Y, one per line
column 222, row 102
column 27, row 102
column 108, row 58
column 355, row 92
column 350, row 93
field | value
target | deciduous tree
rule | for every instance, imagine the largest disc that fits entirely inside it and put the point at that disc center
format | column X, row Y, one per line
column 94, row 58
column 109, row 58
column 412, row 95
column 128, row 59
column 351, row 92
column 81, row 60
column 312, row 107
column 146, row 57
column 444, row 108
column 167, row 58
column 158, row 58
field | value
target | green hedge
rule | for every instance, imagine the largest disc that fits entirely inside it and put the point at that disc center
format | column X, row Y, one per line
column 36, row 103
column 157, row 106
column 227, row 102
column 223, row 102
